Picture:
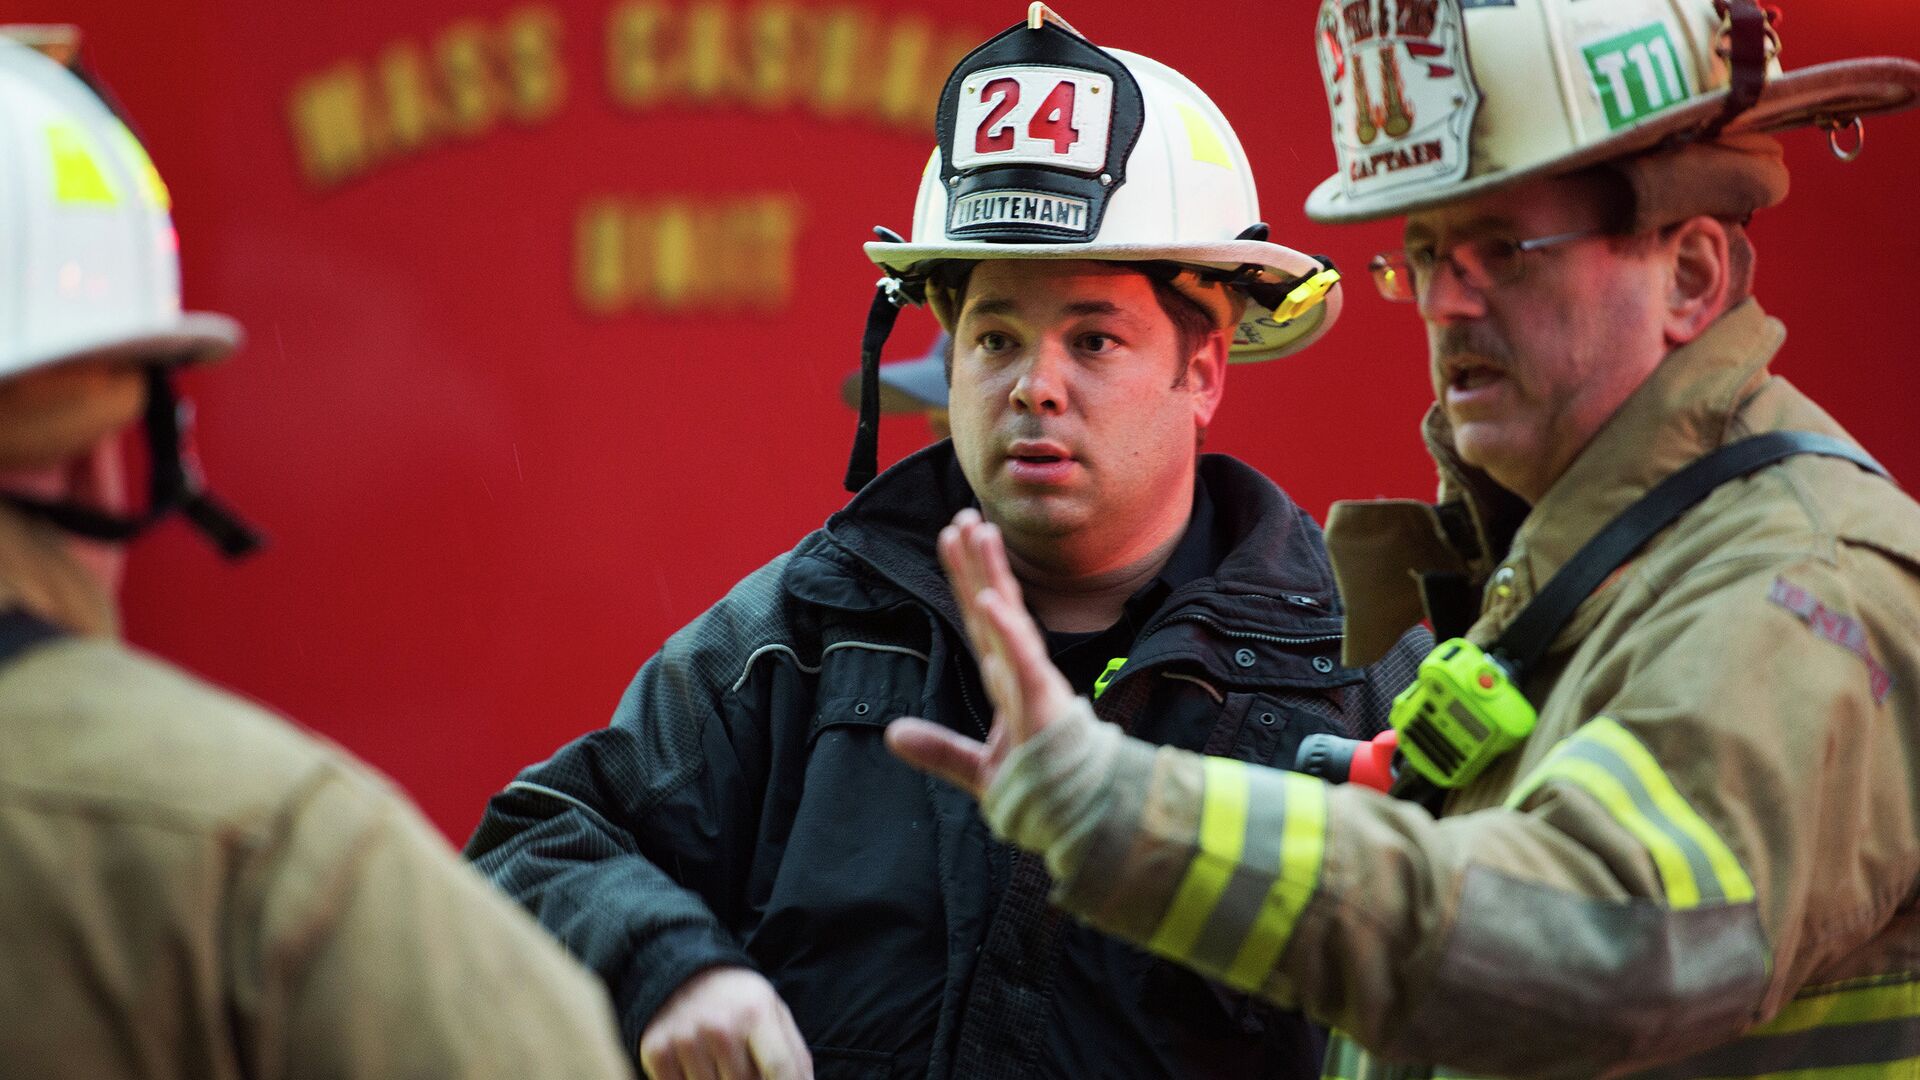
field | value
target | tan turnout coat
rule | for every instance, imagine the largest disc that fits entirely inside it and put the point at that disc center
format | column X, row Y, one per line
column 191, row 887
column 1705, row 860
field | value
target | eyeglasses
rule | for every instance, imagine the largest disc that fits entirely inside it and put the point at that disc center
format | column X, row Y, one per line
column 1403, row 276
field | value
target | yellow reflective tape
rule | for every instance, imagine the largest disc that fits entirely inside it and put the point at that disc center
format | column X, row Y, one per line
column 1683, row 891
column 1202, row 140
column 1735, row 885
column 1830, row 1008
column 154, row 188
column 1303, row 842
column 77, row 177
column 1223, row 834
column 1343, row 1057
column 1903, row 1069
column 1541, row 773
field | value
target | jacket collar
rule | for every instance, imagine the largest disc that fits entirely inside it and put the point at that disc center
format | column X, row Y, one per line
column 39, row 573
column 1479, row 531
column 1684, row 410
column 1266, row 561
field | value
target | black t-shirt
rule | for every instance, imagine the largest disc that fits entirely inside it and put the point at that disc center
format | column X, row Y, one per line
column 1082, row 658
column 1090, row 964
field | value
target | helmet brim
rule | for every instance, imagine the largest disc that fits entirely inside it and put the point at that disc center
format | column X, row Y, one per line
column 195, row 337
column 1225, row 255
column 1259, row 336
column 1839, row 91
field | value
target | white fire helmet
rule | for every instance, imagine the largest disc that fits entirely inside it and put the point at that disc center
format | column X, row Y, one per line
column 91, row 271
column 1053, row 148
column 1439, row 100
column 90, row 267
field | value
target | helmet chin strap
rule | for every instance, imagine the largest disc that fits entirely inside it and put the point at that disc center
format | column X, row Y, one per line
column 175, row 483
column 889, row 296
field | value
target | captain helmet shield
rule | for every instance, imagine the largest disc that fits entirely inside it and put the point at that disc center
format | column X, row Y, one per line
column 1400, row 90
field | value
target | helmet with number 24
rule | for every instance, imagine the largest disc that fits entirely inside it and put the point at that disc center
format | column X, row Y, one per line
column 1054, row 148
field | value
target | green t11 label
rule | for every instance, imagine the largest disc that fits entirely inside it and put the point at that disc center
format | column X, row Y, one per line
column 1636, row 74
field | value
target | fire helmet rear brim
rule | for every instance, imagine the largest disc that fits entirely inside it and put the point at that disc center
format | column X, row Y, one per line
column 195, row 337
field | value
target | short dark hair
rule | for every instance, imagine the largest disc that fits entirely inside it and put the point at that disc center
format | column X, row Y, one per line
column 1192, row 324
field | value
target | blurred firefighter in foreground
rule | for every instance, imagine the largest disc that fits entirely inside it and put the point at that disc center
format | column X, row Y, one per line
column 190, row 887
column 1672, row 744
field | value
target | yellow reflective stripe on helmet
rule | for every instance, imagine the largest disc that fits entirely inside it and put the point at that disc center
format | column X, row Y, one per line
column 1202, row 141
column 1606, row 761
column 1223, row 831
column 154, row 188
column 1845, row 1004
column 1302, row 845
column 77, row 177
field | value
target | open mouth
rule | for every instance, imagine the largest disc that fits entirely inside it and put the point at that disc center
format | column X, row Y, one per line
column 1469, row 378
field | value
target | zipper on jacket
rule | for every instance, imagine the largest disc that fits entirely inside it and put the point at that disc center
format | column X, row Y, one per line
column 966, row 698
column 1246, row 635
column 1127, row 673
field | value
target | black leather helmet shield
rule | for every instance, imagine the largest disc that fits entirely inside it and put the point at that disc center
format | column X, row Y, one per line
column 1035, row 129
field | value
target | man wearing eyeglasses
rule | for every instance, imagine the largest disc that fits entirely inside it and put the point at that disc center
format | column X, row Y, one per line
column 1669, row 760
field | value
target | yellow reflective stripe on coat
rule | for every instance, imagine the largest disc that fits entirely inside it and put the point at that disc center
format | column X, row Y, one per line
column 1302, row 846
column 1262, row 836
column 1867, row 1030
column 1863, row 1030
column 1847, row 1003
column 1223, row 832
column 1605, row 760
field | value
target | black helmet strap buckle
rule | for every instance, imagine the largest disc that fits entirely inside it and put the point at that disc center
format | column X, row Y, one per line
column 1750, row 41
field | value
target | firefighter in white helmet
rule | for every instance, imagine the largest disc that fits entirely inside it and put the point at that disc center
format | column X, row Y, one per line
column 760, row 884
column 190, row 887
column 1660, row 786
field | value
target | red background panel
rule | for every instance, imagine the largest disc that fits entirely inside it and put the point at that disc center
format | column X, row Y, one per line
column 490, row 501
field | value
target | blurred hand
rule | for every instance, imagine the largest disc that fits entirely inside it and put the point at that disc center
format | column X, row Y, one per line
column 726, row 1023
column 1027, row 691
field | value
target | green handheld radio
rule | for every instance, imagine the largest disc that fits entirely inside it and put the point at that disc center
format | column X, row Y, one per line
column 1461, row 712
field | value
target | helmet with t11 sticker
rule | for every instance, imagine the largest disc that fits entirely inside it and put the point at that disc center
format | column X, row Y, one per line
column 1439, row 100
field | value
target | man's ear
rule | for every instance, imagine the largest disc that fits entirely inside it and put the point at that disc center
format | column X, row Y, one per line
column 1207, row 377
column 1699, row 277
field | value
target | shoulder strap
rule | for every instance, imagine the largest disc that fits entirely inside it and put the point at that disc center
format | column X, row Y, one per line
column 21, row 630
column 1527, row 638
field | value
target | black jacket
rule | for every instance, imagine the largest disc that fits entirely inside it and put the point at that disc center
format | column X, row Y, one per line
column 741, row 808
